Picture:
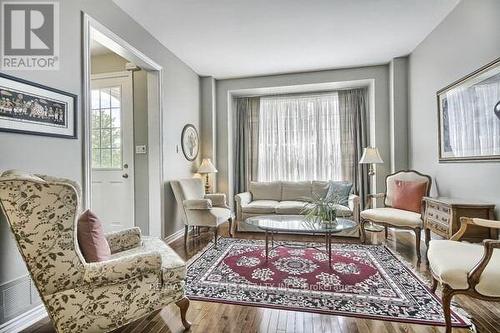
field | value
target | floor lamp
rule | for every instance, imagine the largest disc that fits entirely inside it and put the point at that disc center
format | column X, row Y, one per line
column 371, row 156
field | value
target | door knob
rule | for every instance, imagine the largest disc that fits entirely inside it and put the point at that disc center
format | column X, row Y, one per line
column 125, row 175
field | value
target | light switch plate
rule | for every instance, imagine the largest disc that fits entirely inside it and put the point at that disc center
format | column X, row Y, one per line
column 141, row 149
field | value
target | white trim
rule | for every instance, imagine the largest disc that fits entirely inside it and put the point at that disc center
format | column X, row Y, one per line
column 109, row 75
column 95, row 30
column 176, row 235
column 24, row 320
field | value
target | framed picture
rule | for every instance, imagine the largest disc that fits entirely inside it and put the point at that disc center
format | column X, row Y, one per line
column 30, row 108
column 190, row 142
column 469, row 117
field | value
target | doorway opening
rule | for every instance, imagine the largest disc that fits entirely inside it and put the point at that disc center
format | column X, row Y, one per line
column 122, row 133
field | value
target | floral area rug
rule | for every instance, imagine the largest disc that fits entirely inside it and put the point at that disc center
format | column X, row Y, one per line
column 365, row 281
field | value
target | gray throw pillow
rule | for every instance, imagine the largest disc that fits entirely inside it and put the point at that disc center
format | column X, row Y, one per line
column 340, row 190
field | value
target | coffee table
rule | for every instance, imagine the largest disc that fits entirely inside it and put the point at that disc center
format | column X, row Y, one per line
column 274, row 224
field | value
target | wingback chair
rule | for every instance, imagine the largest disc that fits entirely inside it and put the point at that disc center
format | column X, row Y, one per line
column 142, row 275
column 393, row 217
column 465, row 268
column 199, row 209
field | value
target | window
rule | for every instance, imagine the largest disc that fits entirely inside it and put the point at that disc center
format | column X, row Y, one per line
column 106, row 128
column 299, row 138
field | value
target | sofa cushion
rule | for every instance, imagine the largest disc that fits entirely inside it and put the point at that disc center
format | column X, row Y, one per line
column 319, row 189
column 340, row 190
column 260, row 207
column 451, row 261
column 396, row 217
column 343, row 211
column 290, row 207
column 296, row 191
column 265, row 190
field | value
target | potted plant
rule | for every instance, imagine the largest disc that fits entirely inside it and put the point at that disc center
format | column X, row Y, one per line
column 323, row 209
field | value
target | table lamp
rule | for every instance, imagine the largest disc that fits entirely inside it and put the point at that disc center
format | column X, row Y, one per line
column 206, row 168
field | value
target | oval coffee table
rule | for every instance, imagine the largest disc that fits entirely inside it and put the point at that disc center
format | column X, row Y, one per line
column 273, row 224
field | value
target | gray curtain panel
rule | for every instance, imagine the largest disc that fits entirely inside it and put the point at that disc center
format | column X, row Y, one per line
column 353, row 104
column 246, row 142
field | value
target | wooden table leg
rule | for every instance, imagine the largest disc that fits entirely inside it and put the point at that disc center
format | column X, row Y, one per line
column 329, row 243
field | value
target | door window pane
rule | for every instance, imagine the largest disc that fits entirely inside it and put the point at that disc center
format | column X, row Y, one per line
column 106, row 134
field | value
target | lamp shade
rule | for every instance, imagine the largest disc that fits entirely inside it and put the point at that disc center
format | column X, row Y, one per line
column 370, row 156
column 207, row 166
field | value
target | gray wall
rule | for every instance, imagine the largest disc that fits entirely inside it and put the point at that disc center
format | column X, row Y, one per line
column 380, row 74
column 467, row 39
column 112, row 62
column 63, row 157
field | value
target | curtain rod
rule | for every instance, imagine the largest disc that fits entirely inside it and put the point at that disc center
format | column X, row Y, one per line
column 304, row 93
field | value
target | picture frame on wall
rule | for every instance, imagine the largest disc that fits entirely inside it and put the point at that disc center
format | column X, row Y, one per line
column 469, row 117
column 190, row 142
column 31, row 108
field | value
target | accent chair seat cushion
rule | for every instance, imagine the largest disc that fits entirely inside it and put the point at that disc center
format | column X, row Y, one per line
column 221, row 214
column 260, row 207
column 172, row 266
column 451, row 261
column 393, row 216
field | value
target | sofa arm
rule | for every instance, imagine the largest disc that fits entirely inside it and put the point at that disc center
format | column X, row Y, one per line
column 202, row 204
column 124, row 239
column 218, row 199
column 242, row 199
column 123, row 268
column 354, row 206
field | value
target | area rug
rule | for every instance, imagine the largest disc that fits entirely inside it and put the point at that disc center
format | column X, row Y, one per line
column 365, row 281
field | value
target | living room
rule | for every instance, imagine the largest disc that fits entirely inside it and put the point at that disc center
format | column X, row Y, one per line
column 271, row 166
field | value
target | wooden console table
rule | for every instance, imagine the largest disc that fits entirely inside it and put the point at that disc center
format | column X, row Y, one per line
column 442, row 217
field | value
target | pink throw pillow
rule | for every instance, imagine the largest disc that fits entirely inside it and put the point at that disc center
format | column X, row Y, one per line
column 408, row 195
column 91, row 239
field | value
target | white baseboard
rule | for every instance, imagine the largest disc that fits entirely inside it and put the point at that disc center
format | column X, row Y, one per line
column 25, row 320
column 173, row 237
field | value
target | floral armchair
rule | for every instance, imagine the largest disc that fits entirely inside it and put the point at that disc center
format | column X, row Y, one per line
column 142, row 275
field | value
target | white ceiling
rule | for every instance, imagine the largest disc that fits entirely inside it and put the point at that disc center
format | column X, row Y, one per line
column 234, row 38
column 97, row 49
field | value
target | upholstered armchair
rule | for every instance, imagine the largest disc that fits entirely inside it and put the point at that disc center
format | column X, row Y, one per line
column 389, row 216
column 465, row 268
column 142, row 275
column 199, row 209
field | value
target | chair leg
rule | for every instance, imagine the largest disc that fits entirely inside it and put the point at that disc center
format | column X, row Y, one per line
column 434, row 284
column 215, row 235
column 418, row 232
column 386, row 232
column 183, row 305
column 186, row 232
column 363, row 231
column 230, row 227
column 446, row 299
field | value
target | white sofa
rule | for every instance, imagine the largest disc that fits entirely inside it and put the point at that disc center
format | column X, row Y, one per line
column 287, row 198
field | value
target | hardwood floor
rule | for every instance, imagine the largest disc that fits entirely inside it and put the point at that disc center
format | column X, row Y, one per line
column 217, row 317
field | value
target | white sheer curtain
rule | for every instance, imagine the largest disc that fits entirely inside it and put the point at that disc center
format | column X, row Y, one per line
column 473, row 127
column 299, row 138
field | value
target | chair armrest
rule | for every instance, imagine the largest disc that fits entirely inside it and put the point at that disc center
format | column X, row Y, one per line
column 474, row 275
column 218, row 199
column 124, row 239
column 369, row 198
column 123, row 268
column 466, row 221
column 242, row 199
column 201, row 204
column 354, row 206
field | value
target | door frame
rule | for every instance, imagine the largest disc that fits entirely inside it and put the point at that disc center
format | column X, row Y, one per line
column 92, row 29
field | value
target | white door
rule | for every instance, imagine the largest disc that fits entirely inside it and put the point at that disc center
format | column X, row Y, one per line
column 112, row 150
